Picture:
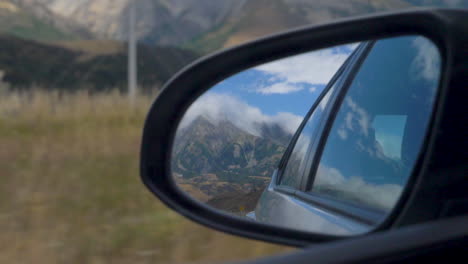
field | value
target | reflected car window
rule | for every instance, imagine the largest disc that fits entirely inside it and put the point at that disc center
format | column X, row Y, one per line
column 379, row 128
column 389, row 131
column 294, row 169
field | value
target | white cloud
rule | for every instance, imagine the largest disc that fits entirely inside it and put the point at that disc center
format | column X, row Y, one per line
column 288, row 121
column 279, row 88
column 218, row 107
column 356, row 120
column 316, row 67
column 342, row 133
column 357, row 125
column 383, row 196
column 313, row 89
column 351, row 47
column 359, row 115
column 426, row 64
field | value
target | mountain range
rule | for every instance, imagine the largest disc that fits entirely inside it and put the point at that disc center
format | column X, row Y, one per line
column 204, row 25
column 223, row 164
column 82, row 43
column 229, row 152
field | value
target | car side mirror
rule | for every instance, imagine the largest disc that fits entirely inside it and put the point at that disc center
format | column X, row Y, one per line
column 311, row 135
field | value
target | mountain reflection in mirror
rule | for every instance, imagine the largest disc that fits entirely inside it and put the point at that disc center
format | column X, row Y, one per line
column 348, row 139
column 232, row 138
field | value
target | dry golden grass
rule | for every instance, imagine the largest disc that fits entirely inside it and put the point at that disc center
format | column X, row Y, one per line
column 70, row 190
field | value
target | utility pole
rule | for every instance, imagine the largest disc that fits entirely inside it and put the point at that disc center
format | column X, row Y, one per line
column 132, row 55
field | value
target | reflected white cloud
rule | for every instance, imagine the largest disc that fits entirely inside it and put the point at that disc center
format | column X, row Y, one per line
column 383, row 196
column 313, row 68
column 342, row 133
column 426, row 64
column 219, row 107
column 358, row 116
column 279, row 88
column 313, row 89
column 351, row 47
column 378, row 144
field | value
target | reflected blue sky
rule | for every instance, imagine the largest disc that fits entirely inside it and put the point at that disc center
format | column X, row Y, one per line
column 377, row 133
column 288, row 85
column 280, row 92
column 244, row 85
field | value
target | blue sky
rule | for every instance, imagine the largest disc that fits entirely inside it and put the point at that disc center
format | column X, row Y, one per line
column 289, row 85
column 280, row 92
column 245, row 86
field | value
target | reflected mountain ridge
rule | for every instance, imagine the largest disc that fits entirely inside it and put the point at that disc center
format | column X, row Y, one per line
column 224, row 165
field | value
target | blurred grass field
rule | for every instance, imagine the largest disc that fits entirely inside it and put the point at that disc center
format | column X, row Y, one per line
column 70, row 190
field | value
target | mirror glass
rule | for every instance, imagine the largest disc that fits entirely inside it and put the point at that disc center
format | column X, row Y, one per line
column 324, row 141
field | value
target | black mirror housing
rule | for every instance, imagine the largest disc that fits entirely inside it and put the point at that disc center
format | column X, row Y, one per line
column 441, row 162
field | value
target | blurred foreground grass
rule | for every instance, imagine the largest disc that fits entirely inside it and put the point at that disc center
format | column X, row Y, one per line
column 70, row 190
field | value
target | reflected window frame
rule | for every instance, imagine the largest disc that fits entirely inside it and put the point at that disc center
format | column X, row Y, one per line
column 338, row 82
column 363, row 213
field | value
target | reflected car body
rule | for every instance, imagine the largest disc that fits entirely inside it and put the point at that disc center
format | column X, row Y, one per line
column 348, row 163
column 280, row 208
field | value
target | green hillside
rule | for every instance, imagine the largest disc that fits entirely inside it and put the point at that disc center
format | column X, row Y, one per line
column 20, row 23
column 32, row 28
column 27, row 64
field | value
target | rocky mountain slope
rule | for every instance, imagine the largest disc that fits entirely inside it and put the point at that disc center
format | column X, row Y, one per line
column 224, row 165
column 262, row 17
column 229, row 152
column 158, row 21
column 32, row 21
column 200, row 24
